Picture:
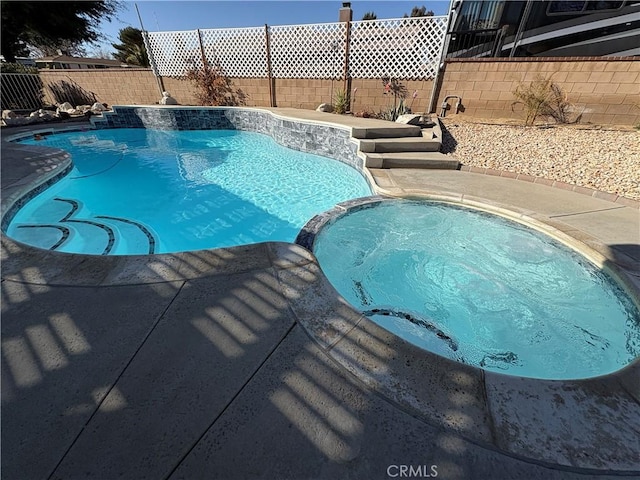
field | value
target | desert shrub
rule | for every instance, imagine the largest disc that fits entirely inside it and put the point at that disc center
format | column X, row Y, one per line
column 543, row 98
column 393, row 87
column 340, row 102
column 214, row 88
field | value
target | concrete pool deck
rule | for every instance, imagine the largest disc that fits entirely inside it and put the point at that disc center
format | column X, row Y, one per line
column 245, row 363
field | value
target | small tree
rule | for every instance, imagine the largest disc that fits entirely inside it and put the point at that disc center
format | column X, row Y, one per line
column 369, row 16
column 51, row 25
column 131, row 50
column 214, row 88
column 101, row 52
column 419, row 12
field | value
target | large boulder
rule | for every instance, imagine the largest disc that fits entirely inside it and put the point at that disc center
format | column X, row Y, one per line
column 65, row 107
column 409, row 119
column 325, row 107
column 40, row 116
column 415, row 119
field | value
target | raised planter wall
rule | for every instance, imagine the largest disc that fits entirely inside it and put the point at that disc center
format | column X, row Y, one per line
column 606, row 91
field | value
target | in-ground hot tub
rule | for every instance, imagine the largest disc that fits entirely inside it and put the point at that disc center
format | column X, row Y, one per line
column 479, row 289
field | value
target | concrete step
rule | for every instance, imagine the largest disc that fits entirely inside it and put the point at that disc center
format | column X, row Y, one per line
column 404, row 144
column 426, row 160
column 392, row 130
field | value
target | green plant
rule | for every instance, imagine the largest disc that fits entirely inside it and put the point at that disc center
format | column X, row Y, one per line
column 6, row 67
column 132, row 49
column 341, row 102
column 543, row 98
column 214, row 88
column 393, row 87
column 49, row 26
column 392, row 113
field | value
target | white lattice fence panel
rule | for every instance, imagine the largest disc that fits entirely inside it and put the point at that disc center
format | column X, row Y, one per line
column 173, row 53
column 308, row 51
column 241, row 52
column 406, row 48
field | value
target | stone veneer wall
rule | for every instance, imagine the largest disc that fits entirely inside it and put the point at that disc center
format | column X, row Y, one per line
column 606, row 90
column 329, row 141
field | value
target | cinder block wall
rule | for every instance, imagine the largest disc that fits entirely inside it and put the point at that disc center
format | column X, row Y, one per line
column 304, row 93
column 124, row 86
column 127, row 86
column 607, row 91
column 256, row 89
column 370, row 95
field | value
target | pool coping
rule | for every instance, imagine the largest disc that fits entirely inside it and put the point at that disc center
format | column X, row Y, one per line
column 495, row 409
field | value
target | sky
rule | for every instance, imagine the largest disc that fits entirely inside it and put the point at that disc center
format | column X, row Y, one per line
column 171, row 15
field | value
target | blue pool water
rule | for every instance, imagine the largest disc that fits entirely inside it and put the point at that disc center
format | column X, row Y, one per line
column 480, row 289
column 139, row 191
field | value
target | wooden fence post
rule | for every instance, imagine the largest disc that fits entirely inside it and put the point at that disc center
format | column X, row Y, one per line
column 272, row 99
column 347, row 78
column 205, row 63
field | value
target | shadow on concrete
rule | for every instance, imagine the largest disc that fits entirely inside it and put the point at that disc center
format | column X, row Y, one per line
column 449, row 143
column 162, row 376
column 123, row 380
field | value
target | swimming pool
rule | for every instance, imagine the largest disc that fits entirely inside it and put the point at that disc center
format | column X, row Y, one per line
column 479, row 289
column 141, row 191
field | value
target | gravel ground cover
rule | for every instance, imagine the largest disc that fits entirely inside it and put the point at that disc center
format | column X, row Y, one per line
column 604, row 159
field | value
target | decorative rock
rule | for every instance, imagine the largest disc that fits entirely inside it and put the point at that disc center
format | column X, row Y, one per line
column 414, row 119
column 602, row 159
column 325, row 107
column 18, row 121
column 65, row 107
column 8, row 114
column 98, row 107
column 409, row 119
column 167, row 99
